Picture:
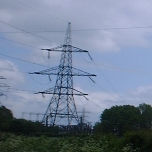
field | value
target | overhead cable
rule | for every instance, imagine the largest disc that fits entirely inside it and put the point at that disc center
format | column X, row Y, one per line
column 38, row 10
column 20, row 43
column 25, row 31
column 22, row 60
column 84, row 30
column 106, row 80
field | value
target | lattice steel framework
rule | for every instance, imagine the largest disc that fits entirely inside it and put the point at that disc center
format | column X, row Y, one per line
column 62, row 108
column 2, row 85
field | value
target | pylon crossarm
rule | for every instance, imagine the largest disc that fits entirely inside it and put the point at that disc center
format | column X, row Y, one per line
column 50, row 71
column 74, row 49
column 48, row 91
column 77, row 72
column 74, row 92
column 62, row 49
column 54, row 49
column 54, row 71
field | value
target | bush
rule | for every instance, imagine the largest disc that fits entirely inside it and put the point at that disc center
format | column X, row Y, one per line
column 140, row 139
column 64, row 144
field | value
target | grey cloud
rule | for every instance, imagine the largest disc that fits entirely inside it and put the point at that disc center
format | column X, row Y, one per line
column 83, row 15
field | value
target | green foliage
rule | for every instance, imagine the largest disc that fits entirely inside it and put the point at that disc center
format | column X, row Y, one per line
column 146, row 116
column 141, row 139
column 6, row 117
column 97, row 128
column 25, row 127
column 64, row 144
column 22, row 126
column 119, row 119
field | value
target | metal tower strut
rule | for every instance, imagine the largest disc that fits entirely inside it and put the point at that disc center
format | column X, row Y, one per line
column 62, row 107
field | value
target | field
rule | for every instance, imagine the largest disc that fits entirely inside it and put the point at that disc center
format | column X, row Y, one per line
column 11, row 143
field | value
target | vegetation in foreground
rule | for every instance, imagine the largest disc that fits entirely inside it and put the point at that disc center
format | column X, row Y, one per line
column 121, row 129
column 11, row 143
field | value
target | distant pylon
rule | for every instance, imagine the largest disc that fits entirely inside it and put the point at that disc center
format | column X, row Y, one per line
column 1, row 104
column 62, row 107
column 3, row 85
column 1, row 94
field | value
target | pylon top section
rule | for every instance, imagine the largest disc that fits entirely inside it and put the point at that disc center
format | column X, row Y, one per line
column 68, row 40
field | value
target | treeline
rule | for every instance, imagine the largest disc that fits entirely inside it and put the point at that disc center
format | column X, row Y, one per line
column 21, row 126
column 121, row 119
column 118, row 120
column 133, row 125
column 124, row 126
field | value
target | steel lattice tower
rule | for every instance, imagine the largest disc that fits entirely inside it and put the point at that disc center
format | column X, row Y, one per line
column 2, row 85
column 62, row 108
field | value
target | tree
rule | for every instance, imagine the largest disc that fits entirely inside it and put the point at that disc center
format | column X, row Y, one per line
column 26, row 127
column 97, row 128
column 146, row 116
column 6, row 118
column 119, row 119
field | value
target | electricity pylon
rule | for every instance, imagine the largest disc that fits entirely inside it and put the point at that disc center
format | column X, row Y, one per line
column 62, row 107
column 2, row 85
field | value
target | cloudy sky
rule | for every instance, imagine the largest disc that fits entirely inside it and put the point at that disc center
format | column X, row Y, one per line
column 117, row 34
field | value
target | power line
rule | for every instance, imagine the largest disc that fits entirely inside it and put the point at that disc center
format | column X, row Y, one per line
column 94, row 104
column 84, row 30
column 22, row 90
column 106, row 91
column 19, row 90
column 22, row 60
column 109, row 93
column 25, row 73
column 20, row 43
column 11, row 32
column 14, row 70
column 25, row 31
column 105, row 77
column 38, row 81
column 117, row 28
column 38, row 10
column 114, row 28
column 106, row 80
